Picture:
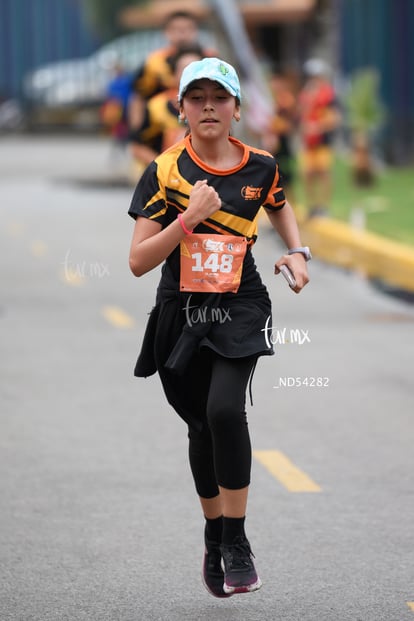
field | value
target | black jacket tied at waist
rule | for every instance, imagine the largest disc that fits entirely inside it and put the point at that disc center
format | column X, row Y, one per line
column 180, row 325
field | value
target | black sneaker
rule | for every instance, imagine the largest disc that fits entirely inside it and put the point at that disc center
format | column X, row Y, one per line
column 212, row 572
column 240, row 575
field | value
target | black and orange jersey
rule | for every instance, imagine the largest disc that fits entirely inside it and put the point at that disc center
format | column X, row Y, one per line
column 163, row 114
column 164, row 190
column 156, row 74
column 160, row 128
column 170, row 341
column 165, row 187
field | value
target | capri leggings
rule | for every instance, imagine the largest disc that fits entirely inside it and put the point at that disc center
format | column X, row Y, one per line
column 220, row 453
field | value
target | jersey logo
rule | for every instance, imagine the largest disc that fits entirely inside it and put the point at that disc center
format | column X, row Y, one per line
column 213, row 246
column 250, row 193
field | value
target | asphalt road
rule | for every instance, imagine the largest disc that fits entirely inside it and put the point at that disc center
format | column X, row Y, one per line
column 99, row 519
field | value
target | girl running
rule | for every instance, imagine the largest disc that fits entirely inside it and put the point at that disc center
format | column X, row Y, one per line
column 196, row 209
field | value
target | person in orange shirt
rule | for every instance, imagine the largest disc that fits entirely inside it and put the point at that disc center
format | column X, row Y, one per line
column 319, row 118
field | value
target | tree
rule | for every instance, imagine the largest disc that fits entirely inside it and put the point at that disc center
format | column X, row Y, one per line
column 102, row 15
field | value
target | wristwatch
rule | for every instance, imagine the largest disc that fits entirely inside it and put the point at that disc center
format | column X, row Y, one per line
column 303, row 250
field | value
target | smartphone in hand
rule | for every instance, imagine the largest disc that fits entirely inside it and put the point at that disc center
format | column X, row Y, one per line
column 288, row 275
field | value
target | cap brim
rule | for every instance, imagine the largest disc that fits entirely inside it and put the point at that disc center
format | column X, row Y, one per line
column 205, row 77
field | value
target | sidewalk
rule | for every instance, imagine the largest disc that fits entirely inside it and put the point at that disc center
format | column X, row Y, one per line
column 370, row 254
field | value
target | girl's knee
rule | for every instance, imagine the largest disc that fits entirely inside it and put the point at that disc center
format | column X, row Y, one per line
column 224, row 417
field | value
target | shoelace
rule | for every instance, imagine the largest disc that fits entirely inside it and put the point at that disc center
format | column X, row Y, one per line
column 240, row 555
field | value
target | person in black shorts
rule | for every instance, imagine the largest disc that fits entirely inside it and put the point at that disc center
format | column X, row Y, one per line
column 196, row 209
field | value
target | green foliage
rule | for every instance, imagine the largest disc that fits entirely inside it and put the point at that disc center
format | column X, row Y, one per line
column 364, row 111
column 102, row 15
column 387, row 207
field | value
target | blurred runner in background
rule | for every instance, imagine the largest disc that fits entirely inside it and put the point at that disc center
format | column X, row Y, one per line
column 181, row 28
column 319, row 118
column 114, row 110
column 160, row 126
column 156, row 75
column 278, row 137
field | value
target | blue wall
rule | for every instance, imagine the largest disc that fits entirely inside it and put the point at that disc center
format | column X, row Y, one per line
column 380, row 34
column 33, row 32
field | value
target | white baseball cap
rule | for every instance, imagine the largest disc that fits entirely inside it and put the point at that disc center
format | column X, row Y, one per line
column 212, row 69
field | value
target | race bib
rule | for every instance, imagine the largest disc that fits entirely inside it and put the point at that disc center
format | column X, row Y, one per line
column 211, row 263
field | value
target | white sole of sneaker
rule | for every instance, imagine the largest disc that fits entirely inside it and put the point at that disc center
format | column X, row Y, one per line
column 249, row 588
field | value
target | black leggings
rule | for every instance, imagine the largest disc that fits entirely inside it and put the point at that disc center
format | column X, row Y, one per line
column 220, row 454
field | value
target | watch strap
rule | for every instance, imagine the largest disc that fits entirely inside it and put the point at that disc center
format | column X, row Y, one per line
column 304, row 250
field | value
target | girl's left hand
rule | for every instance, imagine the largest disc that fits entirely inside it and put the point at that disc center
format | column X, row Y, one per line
column 297, row 265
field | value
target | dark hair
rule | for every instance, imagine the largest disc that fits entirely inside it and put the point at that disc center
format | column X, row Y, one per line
column 179, row 15
column 183, row 50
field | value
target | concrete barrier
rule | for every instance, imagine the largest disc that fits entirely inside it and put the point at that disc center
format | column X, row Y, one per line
column 372, row 255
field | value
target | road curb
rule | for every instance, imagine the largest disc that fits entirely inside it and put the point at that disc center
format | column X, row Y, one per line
column 370, row 254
